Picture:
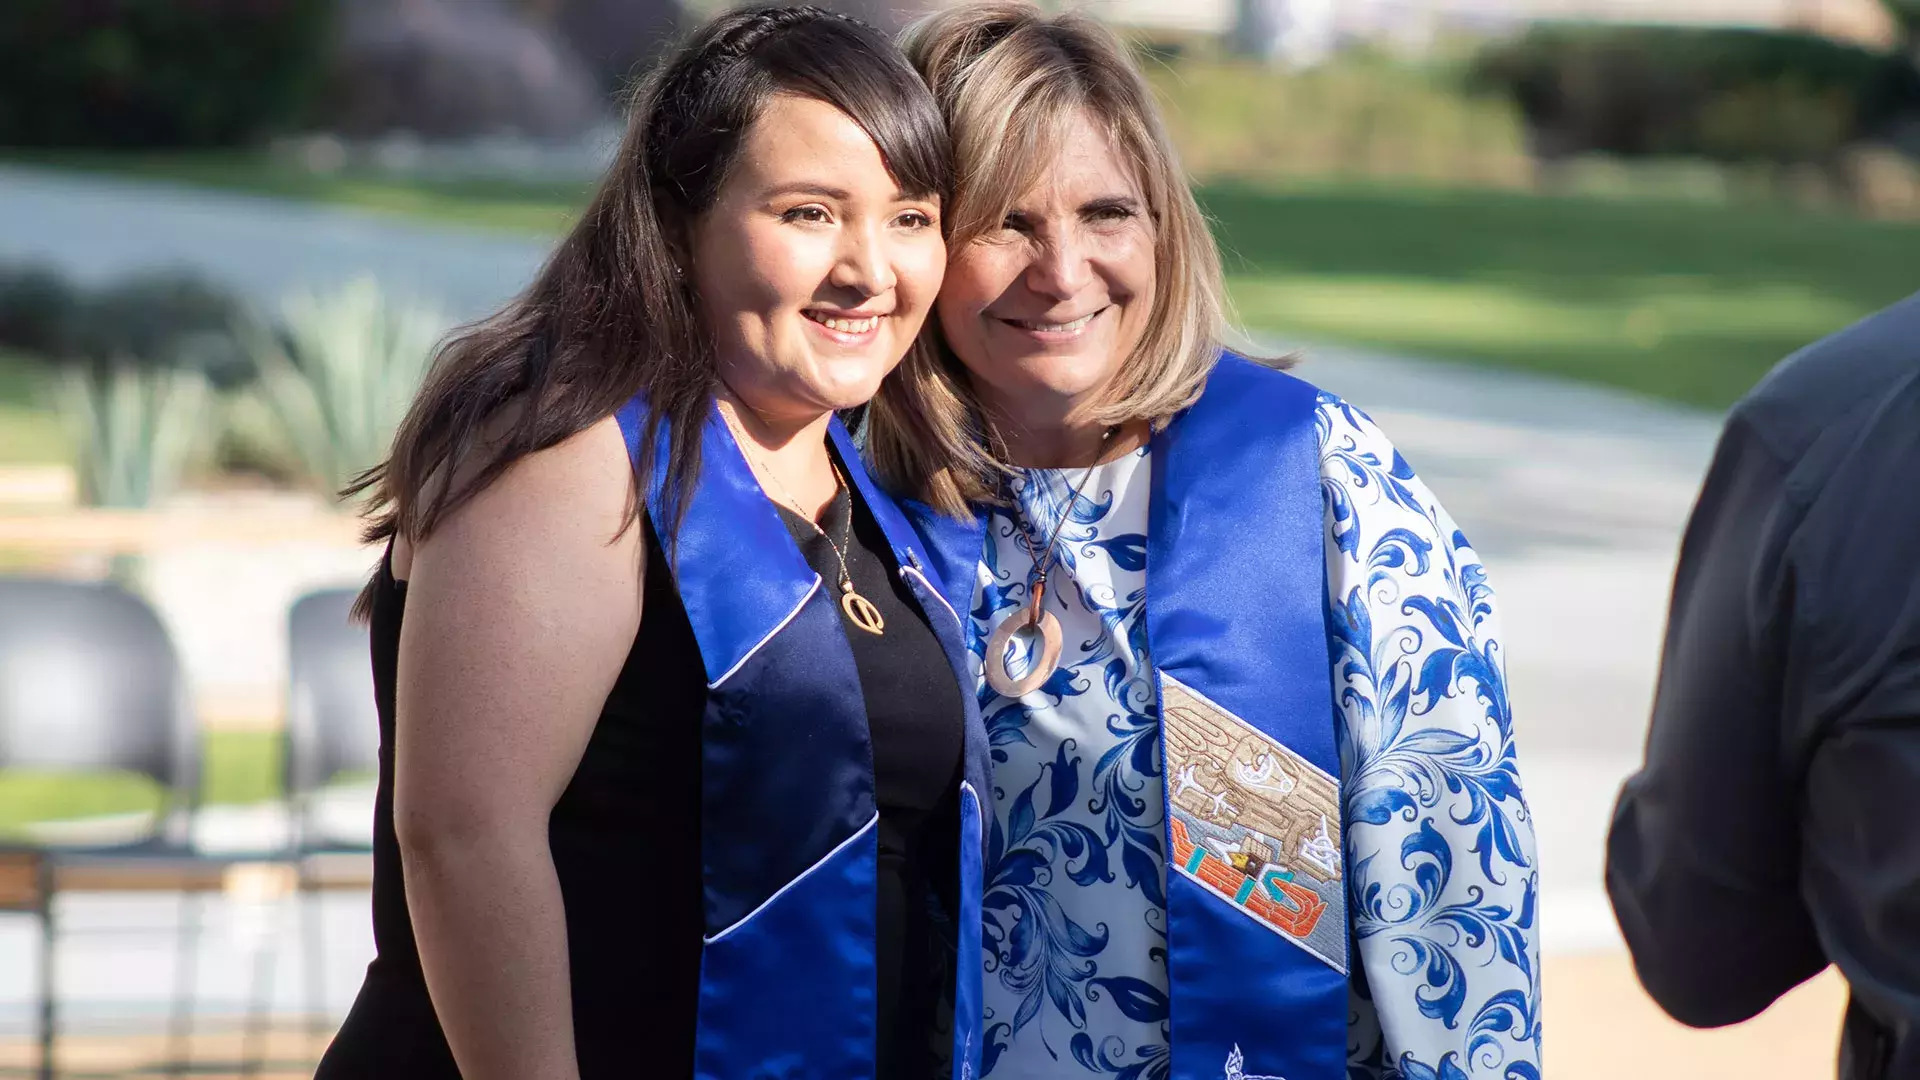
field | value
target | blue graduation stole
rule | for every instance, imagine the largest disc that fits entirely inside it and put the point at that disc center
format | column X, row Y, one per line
column 787, row 816
column 1237, row 634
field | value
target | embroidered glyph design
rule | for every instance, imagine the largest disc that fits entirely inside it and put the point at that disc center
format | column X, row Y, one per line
column 1254, row 823
column 1320, row 850
column 1264, row 769
column 1236, row 1067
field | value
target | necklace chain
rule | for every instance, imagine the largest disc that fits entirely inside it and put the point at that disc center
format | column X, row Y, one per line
column 1043, row 565
column 857, row 608
column 793, row 504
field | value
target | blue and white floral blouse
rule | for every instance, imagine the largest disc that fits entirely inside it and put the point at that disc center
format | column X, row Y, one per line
column 1440, row 851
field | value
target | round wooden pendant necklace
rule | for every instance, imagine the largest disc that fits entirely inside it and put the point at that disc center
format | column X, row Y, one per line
column 859, row 610
column 1036, row 619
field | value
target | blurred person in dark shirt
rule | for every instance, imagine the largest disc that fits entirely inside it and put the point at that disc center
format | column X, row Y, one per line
column 1775, row 827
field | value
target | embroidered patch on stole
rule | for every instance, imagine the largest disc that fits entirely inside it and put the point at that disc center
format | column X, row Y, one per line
column 1255, row 823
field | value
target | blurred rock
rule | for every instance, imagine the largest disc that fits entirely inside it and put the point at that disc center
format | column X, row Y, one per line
column 452, row 68
column 38, row 310
column 1298, row 33
column 616, row 38
column 1883, row 182
column 889, row 15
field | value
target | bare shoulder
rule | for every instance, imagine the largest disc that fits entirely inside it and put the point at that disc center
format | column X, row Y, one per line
column 522, row 607
column 584, row 482
column 575, row 495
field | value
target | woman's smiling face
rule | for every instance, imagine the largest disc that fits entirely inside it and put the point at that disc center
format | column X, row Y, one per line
column 1044, row 309
column 814, row 270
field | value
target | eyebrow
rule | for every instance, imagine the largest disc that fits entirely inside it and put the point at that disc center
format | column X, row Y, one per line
column 826, row 191
column 807, row 187
column 1103, row 202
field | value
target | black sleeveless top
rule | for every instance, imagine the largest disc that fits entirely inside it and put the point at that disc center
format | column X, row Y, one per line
column 632, row 808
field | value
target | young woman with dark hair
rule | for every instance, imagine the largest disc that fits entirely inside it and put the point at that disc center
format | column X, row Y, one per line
column 677, row 777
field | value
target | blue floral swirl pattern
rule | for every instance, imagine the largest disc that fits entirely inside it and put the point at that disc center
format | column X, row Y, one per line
column 1075, row 910
column 1440, row 848
column 1440, row 844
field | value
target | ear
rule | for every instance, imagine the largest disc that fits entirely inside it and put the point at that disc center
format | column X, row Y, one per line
column 679, row 244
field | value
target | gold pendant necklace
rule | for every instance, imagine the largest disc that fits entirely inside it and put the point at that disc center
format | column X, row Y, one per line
column 859, row 610
column 1037, row 620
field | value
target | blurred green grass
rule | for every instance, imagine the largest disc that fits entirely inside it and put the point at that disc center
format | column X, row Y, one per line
column 1682, row 301
column 519, row 205
column 1363, row 114
column 1687, row 300
column 29, row 432
column 238, row 767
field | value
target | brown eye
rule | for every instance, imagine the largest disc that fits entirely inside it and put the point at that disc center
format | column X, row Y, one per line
column 813, row 215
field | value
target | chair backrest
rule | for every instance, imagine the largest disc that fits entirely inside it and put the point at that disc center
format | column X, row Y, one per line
column 332, row 725
column 89, row 681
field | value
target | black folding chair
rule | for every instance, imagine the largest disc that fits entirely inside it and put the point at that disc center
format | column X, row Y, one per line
column 332, row 728
column 332, row 731
column 89, row 681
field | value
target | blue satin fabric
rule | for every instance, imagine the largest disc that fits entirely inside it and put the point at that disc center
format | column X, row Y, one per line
column 789, row 857
column 968, row 998
column 730, row 528
column 781, row 995
column 1236, row 587
column 1236, row 609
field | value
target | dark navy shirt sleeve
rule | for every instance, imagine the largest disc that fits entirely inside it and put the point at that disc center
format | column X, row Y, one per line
column 1776, row 824
column 1704, row 856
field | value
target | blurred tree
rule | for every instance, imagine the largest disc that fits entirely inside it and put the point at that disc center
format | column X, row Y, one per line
column 157, row 73
column 1726, row 94
column 1906, row 15
column 38, row 310
column 157, row 319
column 455, row 68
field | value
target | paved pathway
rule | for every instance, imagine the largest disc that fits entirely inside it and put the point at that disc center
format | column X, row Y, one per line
column 1575, row 496
column 96, row 228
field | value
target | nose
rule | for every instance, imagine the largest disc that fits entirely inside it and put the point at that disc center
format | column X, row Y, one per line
column 865, row 264
column 1060, row 268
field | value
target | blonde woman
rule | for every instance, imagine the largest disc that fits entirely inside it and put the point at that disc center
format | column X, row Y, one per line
column 1256, row 805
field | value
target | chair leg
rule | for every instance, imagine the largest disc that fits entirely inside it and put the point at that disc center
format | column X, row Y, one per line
column 186, row 961
column 253, row 1044
column 49, row 1018
column 312, row 932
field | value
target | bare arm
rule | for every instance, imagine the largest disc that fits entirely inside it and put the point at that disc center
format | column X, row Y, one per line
column 520, row 613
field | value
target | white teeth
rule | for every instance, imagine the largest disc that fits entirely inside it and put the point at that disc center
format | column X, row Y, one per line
column 1060, row 328
column 847, row 326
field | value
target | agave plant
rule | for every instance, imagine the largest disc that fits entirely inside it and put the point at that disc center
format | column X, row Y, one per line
column 339, row 373
column 135, row 429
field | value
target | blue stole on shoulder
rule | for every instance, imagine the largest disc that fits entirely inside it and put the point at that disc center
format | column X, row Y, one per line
column 1237, row 634
column 787, row 817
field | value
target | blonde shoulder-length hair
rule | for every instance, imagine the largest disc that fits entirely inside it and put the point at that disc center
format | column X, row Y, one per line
column 1011, row 80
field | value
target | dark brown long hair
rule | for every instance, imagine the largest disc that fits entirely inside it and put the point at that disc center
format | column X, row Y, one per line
column 612, row 314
